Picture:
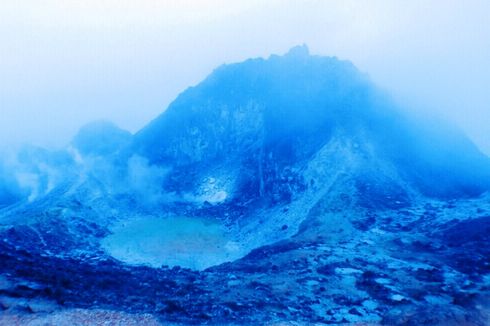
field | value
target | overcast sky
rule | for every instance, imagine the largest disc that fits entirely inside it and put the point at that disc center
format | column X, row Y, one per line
column 64, row 63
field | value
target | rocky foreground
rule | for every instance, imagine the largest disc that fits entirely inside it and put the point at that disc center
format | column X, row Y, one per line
column 427, row 264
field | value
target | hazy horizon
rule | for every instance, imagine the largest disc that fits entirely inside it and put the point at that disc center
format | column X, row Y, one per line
column 64, row 64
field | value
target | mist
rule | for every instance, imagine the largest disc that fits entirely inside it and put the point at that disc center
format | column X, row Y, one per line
column 66, row 64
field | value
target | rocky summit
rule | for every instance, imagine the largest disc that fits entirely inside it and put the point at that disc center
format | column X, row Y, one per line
column 288, row 190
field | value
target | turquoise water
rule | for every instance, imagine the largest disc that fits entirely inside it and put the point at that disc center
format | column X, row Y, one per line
column 175, row 241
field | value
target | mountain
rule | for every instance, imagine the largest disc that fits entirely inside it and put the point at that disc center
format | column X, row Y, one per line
column 100, row 138
column 264, row 119
column 10, row 191
column 286, row 189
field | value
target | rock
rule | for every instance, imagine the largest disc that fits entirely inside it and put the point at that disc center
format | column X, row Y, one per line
column 370, row 304
column 233, row 282
column 42, row 306
column 398, row 297
column 347, row 271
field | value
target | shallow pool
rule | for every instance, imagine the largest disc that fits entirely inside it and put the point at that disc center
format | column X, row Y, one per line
column 174, row 241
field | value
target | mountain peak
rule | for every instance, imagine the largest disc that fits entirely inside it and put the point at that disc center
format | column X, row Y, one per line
column 100, row 138
column 299, row 51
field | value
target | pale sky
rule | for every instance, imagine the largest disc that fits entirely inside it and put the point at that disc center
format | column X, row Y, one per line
column 64, row 63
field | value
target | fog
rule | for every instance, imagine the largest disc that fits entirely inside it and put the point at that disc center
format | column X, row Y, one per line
column 65, row 63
